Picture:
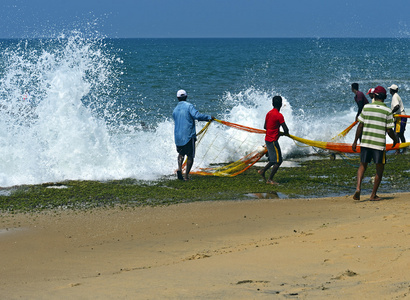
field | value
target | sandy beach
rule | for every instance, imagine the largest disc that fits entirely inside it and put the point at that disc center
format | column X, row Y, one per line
column 326, row 248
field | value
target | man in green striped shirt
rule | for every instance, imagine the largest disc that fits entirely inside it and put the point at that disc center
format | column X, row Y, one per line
column 375, row 120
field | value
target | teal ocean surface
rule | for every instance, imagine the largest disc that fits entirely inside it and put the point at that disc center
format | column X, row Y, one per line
column 98, row 109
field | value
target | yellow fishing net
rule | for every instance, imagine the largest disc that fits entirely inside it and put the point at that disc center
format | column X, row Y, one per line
column 252, row 156
column 241, row 139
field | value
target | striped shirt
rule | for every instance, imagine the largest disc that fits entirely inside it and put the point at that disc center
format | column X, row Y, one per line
column 376, row 118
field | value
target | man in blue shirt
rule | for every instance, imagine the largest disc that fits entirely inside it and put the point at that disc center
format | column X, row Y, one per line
column 184, row 116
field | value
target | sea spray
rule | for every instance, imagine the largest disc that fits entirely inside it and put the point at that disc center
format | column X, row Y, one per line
column 250, row 107
column 81, row 108
column 51, row 133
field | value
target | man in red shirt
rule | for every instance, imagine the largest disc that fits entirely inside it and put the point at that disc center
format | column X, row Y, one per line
column 273, row 121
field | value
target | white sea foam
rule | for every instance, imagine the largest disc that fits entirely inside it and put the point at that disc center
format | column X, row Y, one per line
column 249, row 108
column 56, row 121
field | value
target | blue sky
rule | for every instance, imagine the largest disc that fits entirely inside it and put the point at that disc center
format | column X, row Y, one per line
column 206, row 18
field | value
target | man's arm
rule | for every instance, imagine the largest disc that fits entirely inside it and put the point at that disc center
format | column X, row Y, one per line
column 396, row 108
column 360, row 105
column 393, row 136
column 195, row 114
column 359, row 132
column 285, row 129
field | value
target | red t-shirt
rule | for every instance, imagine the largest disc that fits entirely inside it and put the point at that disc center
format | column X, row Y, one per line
column 273, row 121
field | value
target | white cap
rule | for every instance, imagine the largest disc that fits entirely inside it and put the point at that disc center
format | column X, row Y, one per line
column 394, row 87
column 181, row 93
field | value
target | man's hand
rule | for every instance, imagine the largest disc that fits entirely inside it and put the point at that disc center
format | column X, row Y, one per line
column 359, row 132
column 394, row 142
column 354, row 145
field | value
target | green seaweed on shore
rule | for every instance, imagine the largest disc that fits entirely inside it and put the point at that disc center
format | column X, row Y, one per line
column 312, row 178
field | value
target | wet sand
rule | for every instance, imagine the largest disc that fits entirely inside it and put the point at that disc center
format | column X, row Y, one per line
column 325, row 248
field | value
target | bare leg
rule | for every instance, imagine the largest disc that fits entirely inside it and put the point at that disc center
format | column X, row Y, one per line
column 189, row 163
column 263, row 171
column 402, row 139
column 377, row 180
column 180, row 163
column 274, row 170
column 360, row 175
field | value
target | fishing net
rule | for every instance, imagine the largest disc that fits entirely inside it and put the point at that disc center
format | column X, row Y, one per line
column 246, row 143
column 237, row 139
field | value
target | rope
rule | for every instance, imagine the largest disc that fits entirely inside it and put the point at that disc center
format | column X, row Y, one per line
column 242, row 127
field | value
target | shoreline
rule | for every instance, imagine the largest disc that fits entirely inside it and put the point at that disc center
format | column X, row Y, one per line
column 309, row 179
column 235, row 249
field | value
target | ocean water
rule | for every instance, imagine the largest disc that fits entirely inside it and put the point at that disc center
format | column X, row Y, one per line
column 86, row 108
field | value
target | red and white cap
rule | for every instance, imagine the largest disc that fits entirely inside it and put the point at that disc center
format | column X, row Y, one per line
column 371, row 91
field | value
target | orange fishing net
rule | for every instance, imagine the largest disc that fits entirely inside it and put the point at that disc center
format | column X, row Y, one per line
column 244, row 163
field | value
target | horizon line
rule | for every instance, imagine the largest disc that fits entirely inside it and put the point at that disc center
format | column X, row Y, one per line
column 325, row 37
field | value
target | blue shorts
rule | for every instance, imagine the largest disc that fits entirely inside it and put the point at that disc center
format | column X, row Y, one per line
column 369, row 154
column 274, row 152
column 400, row 125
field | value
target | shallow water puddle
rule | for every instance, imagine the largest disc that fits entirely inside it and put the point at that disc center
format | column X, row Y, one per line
column 270, row 195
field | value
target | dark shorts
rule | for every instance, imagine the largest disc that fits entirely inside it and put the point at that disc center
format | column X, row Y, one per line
column 188, row 149
column 274, row 153
column 368, row 154
column 400, row 125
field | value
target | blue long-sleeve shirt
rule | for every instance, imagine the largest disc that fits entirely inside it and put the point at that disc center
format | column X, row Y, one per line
column 184, row 116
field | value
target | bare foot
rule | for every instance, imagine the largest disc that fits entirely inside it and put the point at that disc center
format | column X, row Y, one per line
column 262, row 174
column 356, row 195
column 179, row 175
column 375, row 198
column 272, row 182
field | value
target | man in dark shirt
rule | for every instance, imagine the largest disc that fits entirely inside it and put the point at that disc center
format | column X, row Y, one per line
column 360, row 99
